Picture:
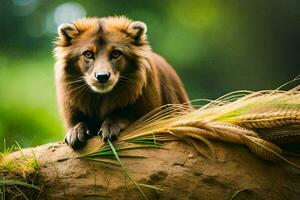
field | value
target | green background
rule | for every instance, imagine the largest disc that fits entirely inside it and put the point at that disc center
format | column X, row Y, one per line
column 216, row 47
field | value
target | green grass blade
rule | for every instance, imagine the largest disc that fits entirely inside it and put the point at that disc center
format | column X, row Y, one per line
column 6, row 150
column 146, row 141
column 125, row 171
column 234, row 195
column 150, row 186
column 103, row 161
column 21, row 193
column 109, row 153
column 20, row 149
column 4, row 146
column 3, row 191
column 16, row 182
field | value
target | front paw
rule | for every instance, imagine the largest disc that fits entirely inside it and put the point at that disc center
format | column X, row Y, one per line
column 76, row 137
column 110, row 130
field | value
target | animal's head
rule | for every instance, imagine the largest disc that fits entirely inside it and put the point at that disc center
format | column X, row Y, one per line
column 103, row 51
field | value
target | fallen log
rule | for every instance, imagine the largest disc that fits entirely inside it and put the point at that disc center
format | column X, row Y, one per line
column 176, row 171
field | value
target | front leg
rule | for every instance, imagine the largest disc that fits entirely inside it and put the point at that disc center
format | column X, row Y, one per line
column 77, row 129
column 112, row 126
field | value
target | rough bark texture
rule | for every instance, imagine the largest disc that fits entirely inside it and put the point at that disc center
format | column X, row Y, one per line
column 177, row 168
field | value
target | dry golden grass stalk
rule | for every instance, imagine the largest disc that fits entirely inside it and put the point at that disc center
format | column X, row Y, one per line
column 235, row 118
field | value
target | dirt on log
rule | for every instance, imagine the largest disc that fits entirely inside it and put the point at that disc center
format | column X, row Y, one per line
column 177, row 169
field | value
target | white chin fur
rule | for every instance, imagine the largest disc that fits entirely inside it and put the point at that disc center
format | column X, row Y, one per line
column 102, row 90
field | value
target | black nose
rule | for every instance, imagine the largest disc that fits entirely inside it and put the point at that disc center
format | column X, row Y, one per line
column 102, row 77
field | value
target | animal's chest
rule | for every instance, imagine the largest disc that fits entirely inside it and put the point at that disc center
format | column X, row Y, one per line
column 94, row 112
column 94, row 107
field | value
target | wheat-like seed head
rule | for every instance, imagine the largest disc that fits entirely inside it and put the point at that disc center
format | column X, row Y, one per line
column 234, row 118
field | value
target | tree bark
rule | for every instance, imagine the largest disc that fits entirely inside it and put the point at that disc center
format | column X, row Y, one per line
column 177, row 168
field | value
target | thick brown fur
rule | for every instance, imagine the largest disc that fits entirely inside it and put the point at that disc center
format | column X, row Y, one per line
column 141, row 80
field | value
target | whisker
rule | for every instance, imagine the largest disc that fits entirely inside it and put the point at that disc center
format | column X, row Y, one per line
column 75, row 81
column 124, row 77
column 74, row 89
column 127, row 83
column 129, row 73
column 127, row 80
column 83, row 89
column 123, row 84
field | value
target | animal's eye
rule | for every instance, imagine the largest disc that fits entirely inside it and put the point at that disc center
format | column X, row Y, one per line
column 88, row 54
column 115, row 54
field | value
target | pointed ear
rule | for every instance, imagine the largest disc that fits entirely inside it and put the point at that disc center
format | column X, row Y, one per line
column 67, row 31
column 138, row 29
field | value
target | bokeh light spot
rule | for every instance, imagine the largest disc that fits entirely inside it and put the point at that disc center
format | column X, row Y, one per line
column 68, row 12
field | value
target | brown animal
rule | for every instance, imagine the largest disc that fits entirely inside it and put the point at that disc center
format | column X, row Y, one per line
column 106, row 73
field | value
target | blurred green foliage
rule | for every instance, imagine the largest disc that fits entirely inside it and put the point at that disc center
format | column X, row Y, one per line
column 216, row 46
column 28, row 111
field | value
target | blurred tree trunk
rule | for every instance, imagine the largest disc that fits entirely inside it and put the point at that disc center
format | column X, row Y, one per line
column 177, row 169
